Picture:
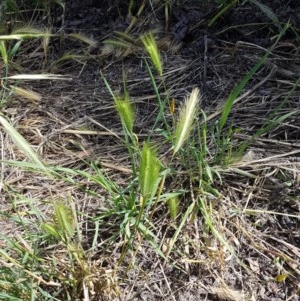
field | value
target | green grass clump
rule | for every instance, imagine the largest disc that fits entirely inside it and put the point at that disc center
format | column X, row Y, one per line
column 49, row 259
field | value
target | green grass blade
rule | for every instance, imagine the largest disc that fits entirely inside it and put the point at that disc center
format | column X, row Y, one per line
column 8, row 297
column 3, row 52
column 180, row 227
column 222, row 12
column 271, row 122
column 151, row 238
column 21, row 143
column 210, row 223
column 236, row 91
column 173, row 206
column 117, row 43
column 162, row 104
column 268, row 12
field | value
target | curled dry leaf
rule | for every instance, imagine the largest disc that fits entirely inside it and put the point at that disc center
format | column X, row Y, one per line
column 225, row 293
column 254, row 266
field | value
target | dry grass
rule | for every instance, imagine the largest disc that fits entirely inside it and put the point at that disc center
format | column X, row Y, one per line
column 74, row 125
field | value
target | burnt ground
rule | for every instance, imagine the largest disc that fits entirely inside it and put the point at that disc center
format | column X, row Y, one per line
column 75, row 124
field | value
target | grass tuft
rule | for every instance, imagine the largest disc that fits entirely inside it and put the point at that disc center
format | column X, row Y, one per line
column 187, row 193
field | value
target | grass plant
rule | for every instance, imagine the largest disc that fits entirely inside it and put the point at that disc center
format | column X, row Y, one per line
column 48, row 258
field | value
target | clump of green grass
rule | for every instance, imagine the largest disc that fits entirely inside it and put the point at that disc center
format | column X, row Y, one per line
column 190, row 136
column 202, row 152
